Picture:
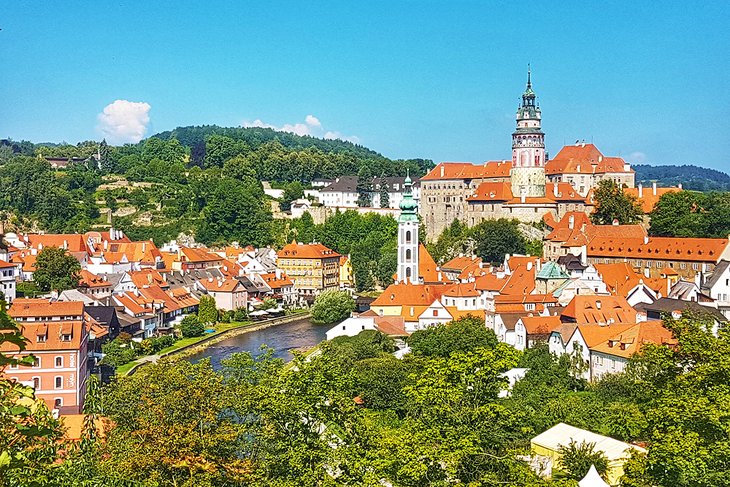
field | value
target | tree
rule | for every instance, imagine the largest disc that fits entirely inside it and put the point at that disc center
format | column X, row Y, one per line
column 117, row 353
column 364, row 186
column 466, row 334
column 576, row 459
column 236, row 211
column 190, row 326
column 495, row 238
column 207, row 310
column 384, row 195
column 331, row 306
column 613, row 204
column 56, row 270
column 292, row 191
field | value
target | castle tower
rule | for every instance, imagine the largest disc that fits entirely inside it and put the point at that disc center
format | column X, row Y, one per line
column 528, row 148
column 408, row 237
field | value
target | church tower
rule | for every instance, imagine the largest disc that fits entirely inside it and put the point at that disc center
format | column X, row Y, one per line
column 528, row 148
column 408, row 236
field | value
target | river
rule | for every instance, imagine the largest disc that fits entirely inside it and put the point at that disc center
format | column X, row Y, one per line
column 282, row 338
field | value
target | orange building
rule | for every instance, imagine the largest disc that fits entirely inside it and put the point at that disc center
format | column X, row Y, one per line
column 58, row 337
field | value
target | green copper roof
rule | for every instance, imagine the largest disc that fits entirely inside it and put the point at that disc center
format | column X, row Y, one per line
column 408, row 205
column 551, row 270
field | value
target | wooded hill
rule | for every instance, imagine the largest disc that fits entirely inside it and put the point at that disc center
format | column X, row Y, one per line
column 692, row 177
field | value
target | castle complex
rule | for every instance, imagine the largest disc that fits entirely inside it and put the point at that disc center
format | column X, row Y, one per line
column 529, row 187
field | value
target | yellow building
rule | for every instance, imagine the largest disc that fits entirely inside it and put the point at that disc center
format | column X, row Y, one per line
column 547, row 446
column 312, row 267
column 347, row 279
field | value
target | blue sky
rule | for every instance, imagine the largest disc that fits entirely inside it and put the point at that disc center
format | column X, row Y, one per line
column 440, row 80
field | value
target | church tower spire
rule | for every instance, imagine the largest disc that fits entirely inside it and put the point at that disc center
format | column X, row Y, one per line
column 408, row 236
column 528, row 147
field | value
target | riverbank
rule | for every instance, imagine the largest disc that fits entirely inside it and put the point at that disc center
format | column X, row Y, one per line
column 192, row 346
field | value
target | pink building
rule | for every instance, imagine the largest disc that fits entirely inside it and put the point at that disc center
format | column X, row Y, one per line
column 58, row 337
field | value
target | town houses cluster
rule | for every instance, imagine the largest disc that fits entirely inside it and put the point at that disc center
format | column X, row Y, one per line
column 138, row 288
column 600, row 292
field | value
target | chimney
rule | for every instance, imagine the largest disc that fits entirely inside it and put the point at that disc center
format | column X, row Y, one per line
column 646, row 239
column 555, row 189
column 522, row 198
column 680, row 186
column 106, row 245
column 653, row 187
column 442, row 170
column 600, row 159
column 641, row 190
column 598, row 304
column 144, row 246
column 571, row 221
column 65, row 244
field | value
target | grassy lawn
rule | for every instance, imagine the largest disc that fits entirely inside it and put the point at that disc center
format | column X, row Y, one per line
column 219, row 328
column 123, row 369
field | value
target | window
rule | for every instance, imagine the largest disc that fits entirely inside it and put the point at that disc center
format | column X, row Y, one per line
column 435, row 312
column 408, row 236
column 36, row 383
column 408, row 255
column 58, row 382
column 37, row 363
column 57, row 403
column 41, row 338
column 59, row 362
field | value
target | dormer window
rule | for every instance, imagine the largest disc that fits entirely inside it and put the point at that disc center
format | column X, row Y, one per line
column 41, row 338
column 65, row 338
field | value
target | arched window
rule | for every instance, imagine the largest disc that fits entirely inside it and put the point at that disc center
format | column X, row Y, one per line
column 59, row 382
column 408, row 272
column 408, row 236
column 408, row 255
column 59, row 362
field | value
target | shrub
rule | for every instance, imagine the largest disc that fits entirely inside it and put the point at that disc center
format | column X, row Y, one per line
column 190, row 326
column 332, row 306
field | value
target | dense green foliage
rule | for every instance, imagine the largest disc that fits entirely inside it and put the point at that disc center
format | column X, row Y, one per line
column 370, row 240
column 463, row 335
column 576, row 460
column 691, row 177
column 612, row 205
column 207, row 310
column 204, row 181
column 490, row 240
column 332, row 306
column 56, row 270
column 190, row 326
column 691, row 214
column 355, row 415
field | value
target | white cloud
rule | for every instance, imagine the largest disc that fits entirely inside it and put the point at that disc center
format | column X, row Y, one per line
column 312, row 121
column 637, row 157
column 311, row 126
column 124, row 121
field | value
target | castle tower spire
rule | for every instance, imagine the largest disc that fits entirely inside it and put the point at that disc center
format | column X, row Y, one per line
column 408, row 235
column 528, row 147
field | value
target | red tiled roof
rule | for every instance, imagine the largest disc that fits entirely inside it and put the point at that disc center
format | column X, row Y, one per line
column 648, row 197
column 592, row 309
column 492, row 191
column 659, row 248
column 541, row 325
column 222, row 285
column 467, row 170
column 89, row 279
column 52, row 331
column 584, row 159
column 307, row 251
column 43, row 308
column 627, row 342
column 462, row 290
column 409, row 295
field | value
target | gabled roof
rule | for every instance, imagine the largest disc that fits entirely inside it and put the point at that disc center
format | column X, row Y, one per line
column 91, row 280
column 594, row 309
column 584, row 159
column 467, row 170
column 648, row 197
column 427, row 268
column 521, row 281
column 668, row 305
column 630, row 341
column 409, row 295
column 562, row 192
column 43, row 308
column 390, row 325
column 198, row 255
column 458, row 264
column 659, row 248
column 541, row 325
column 307, row 251
column 221, row 285
column 461, row 290
column 52, row 332
column 492, row 191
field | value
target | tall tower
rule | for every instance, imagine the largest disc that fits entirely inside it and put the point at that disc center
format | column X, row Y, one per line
column 408, row 236
column 528, row 148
